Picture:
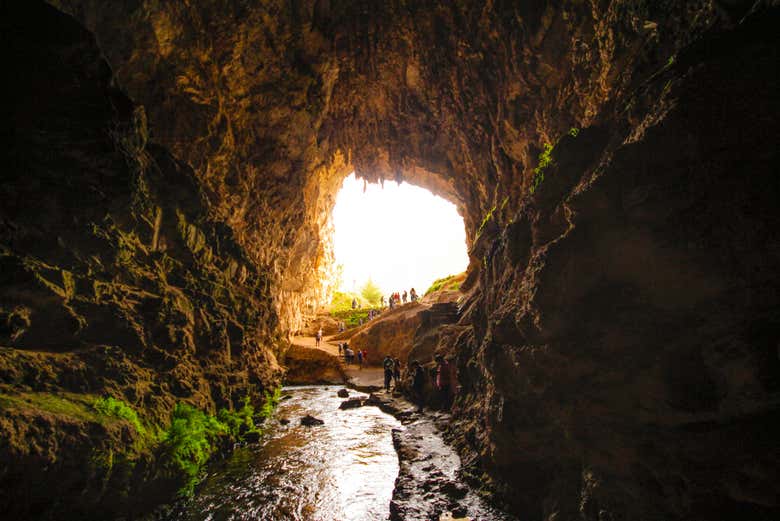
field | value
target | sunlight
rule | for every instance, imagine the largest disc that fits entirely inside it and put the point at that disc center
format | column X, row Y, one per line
column 400, row 236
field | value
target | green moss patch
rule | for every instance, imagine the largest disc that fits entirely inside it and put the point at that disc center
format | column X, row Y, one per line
column 71, row 405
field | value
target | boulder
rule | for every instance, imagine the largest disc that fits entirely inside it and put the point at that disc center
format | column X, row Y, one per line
column 310, row 420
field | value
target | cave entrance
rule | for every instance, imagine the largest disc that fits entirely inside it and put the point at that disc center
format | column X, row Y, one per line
column 398, row 236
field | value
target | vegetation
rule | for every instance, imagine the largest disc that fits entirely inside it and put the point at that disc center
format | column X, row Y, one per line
column 545, row 160
column 194, row 435
column 371, row 293
column 342, row 301
column 450, row 282
column 352, row 317
column 118, row 409
column 482, row 225
column 77, row 406
column 189, row 442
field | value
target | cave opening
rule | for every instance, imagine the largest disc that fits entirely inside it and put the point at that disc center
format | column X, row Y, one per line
column 398, row 236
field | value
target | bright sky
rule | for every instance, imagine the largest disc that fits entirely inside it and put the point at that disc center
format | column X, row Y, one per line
column 402, row 236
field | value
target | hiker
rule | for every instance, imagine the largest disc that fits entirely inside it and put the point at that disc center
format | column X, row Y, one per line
column 397, row 372
column 319, row 337
column 443, row 381
column 418, row 384
column 391, row 302
column 413, row 295
column 341, row 326
column 382, row 301
column 340, row 349
column 349, row 354
column 365, row 356
column 404, row 297
column 354, row 303
column 360, row 358
column 389, row 365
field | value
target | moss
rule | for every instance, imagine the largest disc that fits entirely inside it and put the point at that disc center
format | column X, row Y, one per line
column 71, row 405
column 118, row 409
column 545, row 159
column 194, row 435
column 484, row 222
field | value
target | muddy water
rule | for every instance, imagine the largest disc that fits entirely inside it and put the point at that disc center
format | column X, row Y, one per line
column 342, row 470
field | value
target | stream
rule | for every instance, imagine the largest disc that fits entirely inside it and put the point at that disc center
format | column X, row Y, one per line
column 343, row 470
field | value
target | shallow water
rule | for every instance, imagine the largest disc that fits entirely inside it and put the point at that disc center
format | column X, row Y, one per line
column 343, row 470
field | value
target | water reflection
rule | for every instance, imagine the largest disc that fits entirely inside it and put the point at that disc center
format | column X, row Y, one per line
column 342, row 470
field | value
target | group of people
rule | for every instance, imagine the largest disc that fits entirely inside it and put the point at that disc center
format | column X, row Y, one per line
column 359, row 356
column 442, row 376
column 397, row 298
column 392, row 367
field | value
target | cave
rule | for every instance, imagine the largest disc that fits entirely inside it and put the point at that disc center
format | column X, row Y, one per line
column 168, row 178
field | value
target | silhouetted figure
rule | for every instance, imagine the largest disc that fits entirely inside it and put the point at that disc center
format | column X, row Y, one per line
column 403, row 297
column 412, row 295
column 418, row 384
column 389, row 365
column 360, row 358
column 319, row 337
column 397, row 372
column 443, row 381
column 354, row 303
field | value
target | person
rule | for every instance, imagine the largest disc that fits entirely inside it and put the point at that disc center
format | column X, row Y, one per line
column 388, row 364
column 319, row 337
column 340, row 349
column 354, row 303
column 443, row 380
column 360, row 358
column 349, row 354
column 341, row 326
column 397, row 372
column 418, row 384
column 365, row 356
column 382, row 301
column 413, row 295
column 404, row 297
column 391, row 302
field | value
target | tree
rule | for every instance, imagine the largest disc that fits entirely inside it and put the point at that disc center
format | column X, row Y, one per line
column 371, row 292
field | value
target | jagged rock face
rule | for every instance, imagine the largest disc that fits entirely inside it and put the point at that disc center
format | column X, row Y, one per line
column 620, row 358
column 113, row 278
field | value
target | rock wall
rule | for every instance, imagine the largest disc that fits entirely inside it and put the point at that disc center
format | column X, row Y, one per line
column 114, row 280
column 615, row 164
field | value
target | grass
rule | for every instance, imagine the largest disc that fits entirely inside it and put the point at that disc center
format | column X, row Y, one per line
column 444, row 283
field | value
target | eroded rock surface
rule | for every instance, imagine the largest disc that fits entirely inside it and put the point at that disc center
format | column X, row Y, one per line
column 615, row 165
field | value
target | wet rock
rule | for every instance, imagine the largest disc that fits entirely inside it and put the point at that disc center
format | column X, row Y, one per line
column 352, row 403
column 252, row 437
column 310, row 420
column 286, row 397
column 343, row 393
column 284, row 421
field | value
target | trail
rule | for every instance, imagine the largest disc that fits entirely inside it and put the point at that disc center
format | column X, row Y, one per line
column 367, row 378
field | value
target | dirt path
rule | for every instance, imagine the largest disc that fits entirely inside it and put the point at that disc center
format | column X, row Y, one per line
column 366, row 378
